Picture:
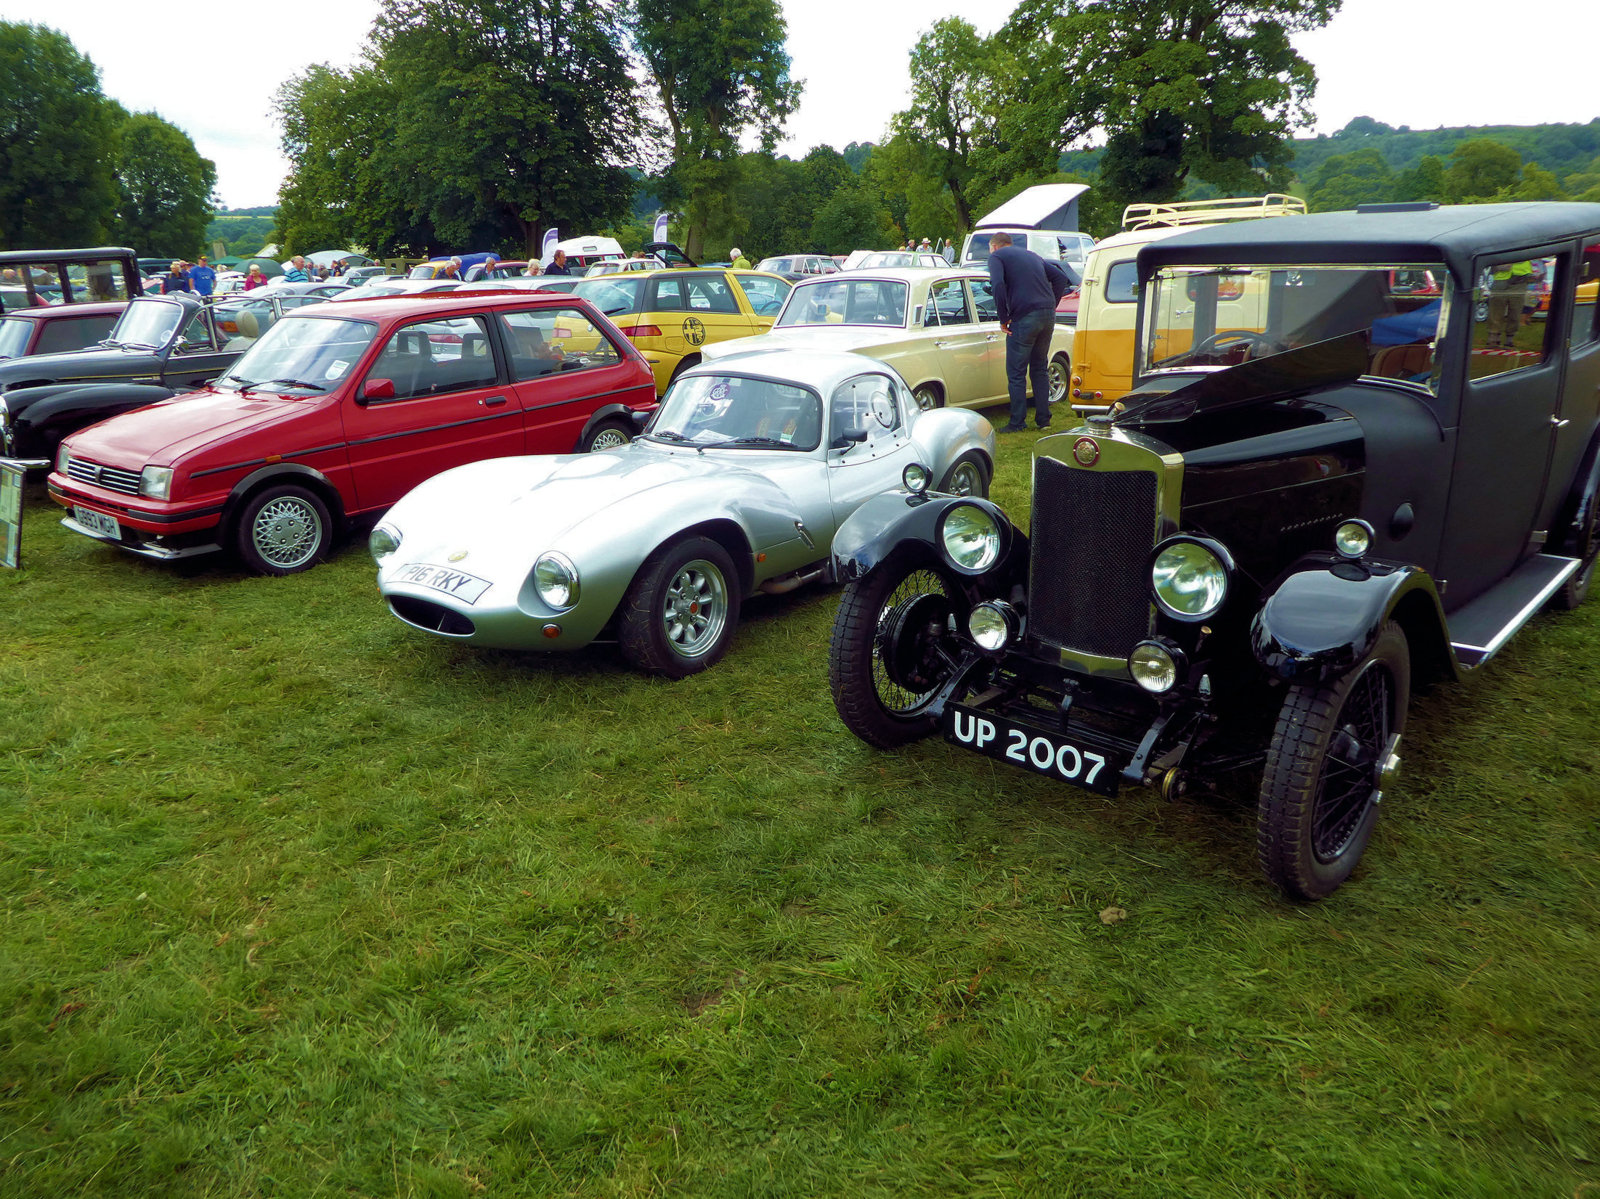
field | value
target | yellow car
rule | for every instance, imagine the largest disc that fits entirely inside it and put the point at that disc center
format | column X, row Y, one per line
column 670, row 314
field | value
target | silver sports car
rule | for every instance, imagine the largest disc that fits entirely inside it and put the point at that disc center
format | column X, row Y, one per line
column 735, row 487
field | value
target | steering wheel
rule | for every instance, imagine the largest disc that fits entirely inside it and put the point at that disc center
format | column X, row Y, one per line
column 1227, row 339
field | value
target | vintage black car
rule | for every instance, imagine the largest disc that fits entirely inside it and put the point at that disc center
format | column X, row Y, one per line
column 1320, row 493
column 161, row 345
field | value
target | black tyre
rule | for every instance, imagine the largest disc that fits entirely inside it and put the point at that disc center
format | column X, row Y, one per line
column 968, row 475
column 1585, row 547
column 1060, row 377
column 607, row 435
column 681, row 610
column 928, row 397
column 1330, row 757
column 888, row 658
column 283, row 530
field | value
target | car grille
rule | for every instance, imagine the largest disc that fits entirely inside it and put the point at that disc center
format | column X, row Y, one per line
column 112, row 478
column 435, row 618
column 1092, row 533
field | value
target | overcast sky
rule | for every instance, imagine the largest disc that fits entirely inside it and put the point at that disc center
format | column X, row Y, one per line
column 212, row 70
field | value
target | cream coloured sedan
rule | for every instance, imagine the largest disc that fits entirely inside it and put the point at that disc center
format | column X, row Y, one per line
column 939, row 329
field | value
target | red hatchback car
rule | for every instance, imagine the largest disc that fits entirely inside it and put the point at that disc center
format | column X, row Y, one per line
column 339, row 410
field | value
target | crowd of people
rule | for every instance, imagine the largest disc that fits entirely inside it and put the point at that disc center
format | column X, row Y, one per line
column 201, row 277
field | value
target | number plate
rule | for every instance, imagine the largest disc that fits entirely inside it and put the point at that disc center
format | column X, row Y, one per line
column 464, row 587
column 1043, row 753
column 97, row 522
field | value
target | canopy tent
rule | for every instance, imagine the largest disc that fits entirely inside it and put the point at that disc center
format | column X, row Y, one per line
column 268, row 267
column 329, row 257
column 229, row 262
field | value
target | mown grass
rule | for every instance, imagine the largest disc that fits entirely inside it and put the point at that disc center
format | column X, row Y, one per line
column 297, row 901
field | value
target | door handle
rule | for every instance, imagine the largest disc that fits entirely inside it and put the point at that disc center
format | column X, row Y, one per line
column 992, row 337
column 941, row 345
column 1559, row 423
column 493, row 401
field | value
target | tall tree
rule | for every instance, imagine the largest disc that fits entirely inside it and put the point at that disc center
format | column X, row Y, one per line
column 1345, row 180
column 57, row 143
column 164, row 187
column 1480, row 169
column 720, row 70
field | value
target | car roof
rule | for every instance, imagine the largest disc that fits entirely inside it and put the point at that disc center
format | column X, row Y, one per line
column 463, row 299
column 92, row 254
column 896, row 274
column 51, row 311
column 675, row 270
column 822, row 369
column 1452, row 234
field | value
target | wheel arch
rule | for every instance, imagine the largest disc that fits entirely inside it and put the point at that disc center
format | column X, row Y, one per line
column 285, row 472
column 727, row 533
column 607, row 412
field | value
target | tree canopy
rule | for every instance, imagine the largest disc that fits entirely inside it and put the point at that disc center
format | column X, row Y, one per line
column 164, row 187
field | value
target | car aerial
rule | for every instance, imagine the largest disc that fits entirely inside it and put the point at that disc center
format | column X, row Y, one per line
column 939, row 329
column 1248, row 562
column 672, row 316
column 160, row 345
column 1102, row 348
column 58, row 329
column 337, row 411
column 799, row 266
column 734, row 488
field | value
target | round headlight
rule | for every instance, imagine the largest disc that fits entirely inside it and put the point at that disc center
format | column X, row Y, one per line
column 970, row 537
column 1352, row 539
column 992, row 624
column 556, row 581
column 383, row 541
column 1153, row 666
column 915, row 478
column 1189, row 580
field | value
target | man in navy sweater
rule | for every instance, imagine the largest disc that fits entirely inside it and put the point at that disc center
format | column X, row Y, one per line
column 1026, row 292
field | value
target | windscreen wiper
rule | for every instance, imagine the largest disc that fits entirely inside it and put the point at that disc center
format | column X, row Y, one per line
column 758, row 441
column 292, row 383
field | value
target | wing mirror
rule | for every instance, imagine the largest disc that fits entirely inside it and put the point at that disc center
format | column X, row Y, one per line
column 639, row 418
column 849, row 438
column 378, row 389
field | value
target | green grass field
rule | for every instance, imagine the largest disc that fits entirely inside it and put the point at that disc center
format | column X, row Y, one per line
column 297, row 901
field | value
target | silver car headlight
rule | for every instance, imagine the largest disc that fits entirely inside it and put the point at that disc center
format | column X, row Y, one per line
column 970, row 538
column 555, row 578
column 383, row 541
column 156, row 482
column 63, row 460
column 1189, row 577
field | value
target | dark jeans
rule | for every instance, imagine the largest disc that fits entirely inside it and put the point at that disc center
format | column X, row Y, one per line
column 1028, row 353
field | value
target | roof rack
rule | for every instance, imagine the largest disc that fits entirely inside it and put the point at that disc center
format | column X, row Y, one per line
column 1209, row 212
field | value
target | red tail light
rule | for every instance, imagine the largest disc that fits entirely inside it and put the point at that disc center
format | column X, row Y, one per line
column 643, row 331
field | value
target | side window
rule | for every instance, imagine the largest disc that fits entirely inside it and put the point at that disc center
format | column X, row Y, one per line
column 1122, row 282
column 1585, row 310
column 947, row 302
column 197, row 336
column 436, row 357
column 710, row 293
column 1505, row 337
column 983, row 299
column 865, row 404
column 669, row 296
column 766, row 296
column 552, row 340
column 62, row 335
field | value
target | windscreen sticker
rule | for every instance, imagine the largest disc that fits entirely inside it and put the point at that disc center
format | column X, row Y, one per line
column 336, row 369
column 719, row 392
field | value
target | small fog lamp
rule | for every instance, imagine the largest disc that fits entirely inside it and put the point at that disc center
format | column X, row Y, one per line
column 970, row 538
column 993, row 624
column 383, row 541
column 1155, row 665
column 556, row 581
column 1352, row 539
column 915, row 478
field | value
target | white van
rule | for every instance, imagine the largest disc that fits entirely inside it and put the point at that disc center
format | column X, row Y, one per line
column 586, row 251
column 1042, row 218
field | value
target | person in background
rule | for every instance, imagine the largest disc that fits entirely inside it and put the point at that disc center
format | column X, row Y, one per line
column 254, row 278
column 558, row 264
column 295, row 272
column 740, row 262
column 177, row 279
column 1026, row 292
column 490, row 265
column 202, row 277
column 535, row 269
column 926, row 247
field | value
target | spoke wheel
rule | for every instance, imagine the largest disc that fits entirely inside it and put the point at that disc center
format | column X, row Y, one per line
column 610, row 435
column 283, row 530
column 928, row 397
column 1334, row 749
column 968, row 476
column 680, row 612
column 1060, row 377
column 890, row 652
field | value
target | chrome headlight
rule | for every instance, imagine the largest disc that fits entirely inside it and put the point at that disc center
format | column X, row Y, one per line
column 1156, row 665
column 915, row 478
column 970, row 537
column 1189, row 577
column 156, row 482
column 555, row 578
column 1352, row 539
column 63, row 460
column 993, row 624
column 383, row 541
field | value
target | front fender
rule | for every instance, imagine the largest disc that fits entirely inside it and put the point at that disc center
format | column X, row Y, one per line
column 1324, row 617
column 946, row 434
column 42, row 416
column 896, row 521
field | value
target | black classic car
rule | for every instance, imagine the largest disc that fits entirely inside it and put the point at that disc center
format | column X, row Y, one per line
column 161, row 345
column 1320, row 494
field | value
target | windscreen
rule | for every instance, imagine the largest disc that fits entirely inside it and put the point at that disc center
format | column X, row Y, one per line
column 839, row 300
column 614, row 297
column 300, row 356
column 735, row 412
column 14, row 332
column 1214, row 317
column 148, row 323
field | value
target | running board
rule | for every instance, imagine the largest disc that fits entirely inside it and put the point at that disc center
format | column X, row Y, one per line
column 1478, row 630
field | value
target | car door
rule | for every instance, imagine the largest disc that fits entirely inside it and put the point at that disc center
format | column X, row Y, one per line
column 562, row 367
column 431, row 399
column 986, row 315
column 713, row 303
column 764, row 296
column 198, row 356
column 956, row 344
column 869, row 440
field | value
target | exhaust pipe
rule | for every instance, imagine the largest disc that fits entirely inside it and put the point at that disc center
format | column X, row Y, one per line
column 788, row 583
